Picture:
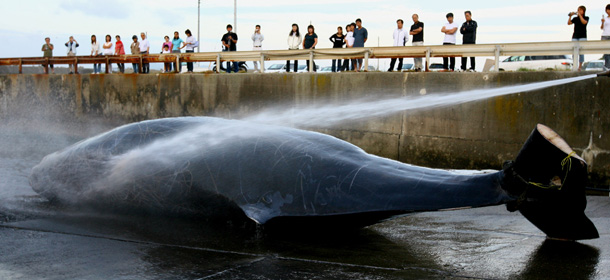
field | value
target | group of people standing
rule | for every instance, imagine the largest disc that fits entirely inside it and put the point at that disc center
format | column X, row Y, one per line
column 356, row 36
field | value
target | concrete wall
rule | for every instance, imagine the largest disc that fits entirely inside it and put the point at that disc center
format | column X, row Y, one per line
column 475, row 135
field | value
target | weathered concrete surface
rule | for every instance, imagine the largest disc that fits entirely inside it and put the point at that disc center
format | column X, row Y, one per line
column 475, row 135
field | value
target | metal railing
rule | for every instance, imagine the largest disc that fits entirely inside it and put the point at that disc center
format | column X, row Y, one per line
column 574, row 48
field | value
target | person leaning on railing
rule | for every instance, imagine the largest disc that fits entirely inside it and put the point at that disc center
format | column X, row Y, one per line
column 135, row 49
column 177, row 44
column 119, row 49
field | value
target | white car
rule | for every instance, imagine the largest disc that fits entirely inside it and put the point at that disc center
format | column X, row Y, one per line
column 276, row 68
column 536, row 62
column 593, row 65
column 326, row 69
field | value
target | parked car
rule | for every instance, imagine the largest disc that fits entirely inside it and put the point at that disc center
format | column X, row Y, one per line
column 435, row 67
column 536, row 62
column 303, row 68
column 407, row 67
column 326, row 69
column 276, row 68
column 593, row 65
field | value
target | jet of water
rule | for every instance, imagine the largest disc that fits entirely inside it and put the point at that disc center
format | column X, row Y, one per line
column 330, row 115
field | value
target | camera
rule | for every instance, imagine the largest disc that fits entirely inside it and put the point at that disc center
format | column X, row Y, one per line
column 572, row 13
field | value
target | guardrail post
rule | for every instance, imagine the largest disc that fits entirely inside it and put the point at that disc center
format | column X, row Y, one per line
column 576, row 56
column 497, row 59
column 75, row 65
column 428, row 59
column 366, row 61
column 262, row 63
column 140, row 64
column 107, row 64
column 218, row 63
column 310, row 66
column 177, row 64
column 20, row 66
column 46, row 66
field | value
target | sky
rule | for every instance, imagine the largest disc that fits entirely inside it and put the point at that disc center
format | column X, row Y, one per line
column 25, row 23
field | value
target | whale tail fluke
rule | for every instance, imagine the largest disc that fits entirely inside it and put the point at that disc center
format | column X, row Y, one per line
column 549, row 180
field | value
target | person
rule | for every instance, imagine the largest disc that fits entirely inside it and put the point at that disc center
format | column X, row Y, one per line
column 95, row 51
column 349, row 43
column 167, row 66
column 144, row 49
column 108, row 50
column 469, row 32
column 257, row 43
column 449, row 29
column 360, row 37
column 177, row 44
column 310, row 42
column 400, row 38
column 71, row 45
column 119, row 49
column 135, row 49
column 190, row 44
column 417, row 31
column 294, row 41
column 338, row 40
column 47, row 50
column 229, row 43
column 606, row 35
column 580, row 29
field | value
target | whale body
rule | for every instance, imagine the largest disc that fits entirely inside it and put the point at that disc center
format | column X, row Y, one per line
column 212, row 166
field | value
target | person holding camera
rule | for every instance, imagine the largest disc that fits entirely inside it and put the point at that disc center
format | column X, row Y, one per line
column 47, row 50
column 257, row 43
column 229, row 42
column 580, row 29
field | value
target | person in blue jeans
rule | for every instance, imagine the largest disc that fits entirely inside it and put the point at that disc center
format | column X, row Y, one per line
column 229, row 43
column 338, row 40
column 580, row 29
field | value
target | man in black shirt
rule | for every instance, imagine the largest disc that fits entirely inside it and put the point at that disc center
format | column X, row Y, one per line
column 229, row 43
column 338, row 40
column 469, row 32
column 580, row 29
column 417, row 30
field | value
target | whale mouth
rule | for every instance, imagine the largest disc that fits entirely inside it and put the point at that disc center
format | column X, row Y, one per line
column 549, row 179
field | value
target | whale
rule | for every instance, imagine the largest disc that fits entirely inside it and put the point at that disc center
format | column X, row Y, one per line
column 280, row 176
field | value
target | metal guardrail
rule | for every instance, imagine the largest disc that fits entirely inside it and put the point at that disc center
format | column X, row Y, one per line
column 574, row 48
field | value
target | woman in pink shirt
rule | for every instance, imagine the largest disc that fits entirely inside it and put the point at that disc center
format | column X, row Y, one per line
column 119, row 50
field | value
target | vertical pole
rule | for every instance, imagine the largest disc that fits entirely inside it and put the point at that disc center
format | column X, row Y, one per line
column 366, row 61
column 497, row 59
column 108, row 63
column 178, row 64
column 576, row 56
column 235, row 16
column 20, row 66
column 218, row 63
column 427, row 59
column 310, row 66
column 76, row 65
column 262, row 63
column 46, row 66
column 198, row 22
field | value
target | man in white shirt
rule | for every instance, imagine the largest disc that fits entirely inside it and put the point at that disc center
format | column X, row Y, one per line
column 450, row 28
column 257, row 43
column 400, row 39
column 144, row 49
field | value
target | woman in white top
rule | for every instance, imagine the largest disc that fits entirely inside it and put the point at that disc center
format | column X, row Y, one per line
column 95, row 51
column 108, row 50
column 349, row 43
column 294, row 41
column 606, row 34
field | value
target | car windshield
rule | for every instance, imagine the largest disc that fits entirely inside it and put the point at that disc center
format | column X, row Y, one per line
column 301, row 67
column 436, row 66
column 276, row 67
column 407, row 66
column 595, row 65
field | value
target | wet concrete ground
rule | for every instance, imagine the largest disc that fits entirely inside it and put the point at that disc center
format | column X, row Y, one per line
column 39, row 241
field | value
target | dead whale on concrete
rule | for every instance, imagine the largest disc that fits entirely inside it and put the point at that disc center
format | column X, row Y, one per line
column 279, row 176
